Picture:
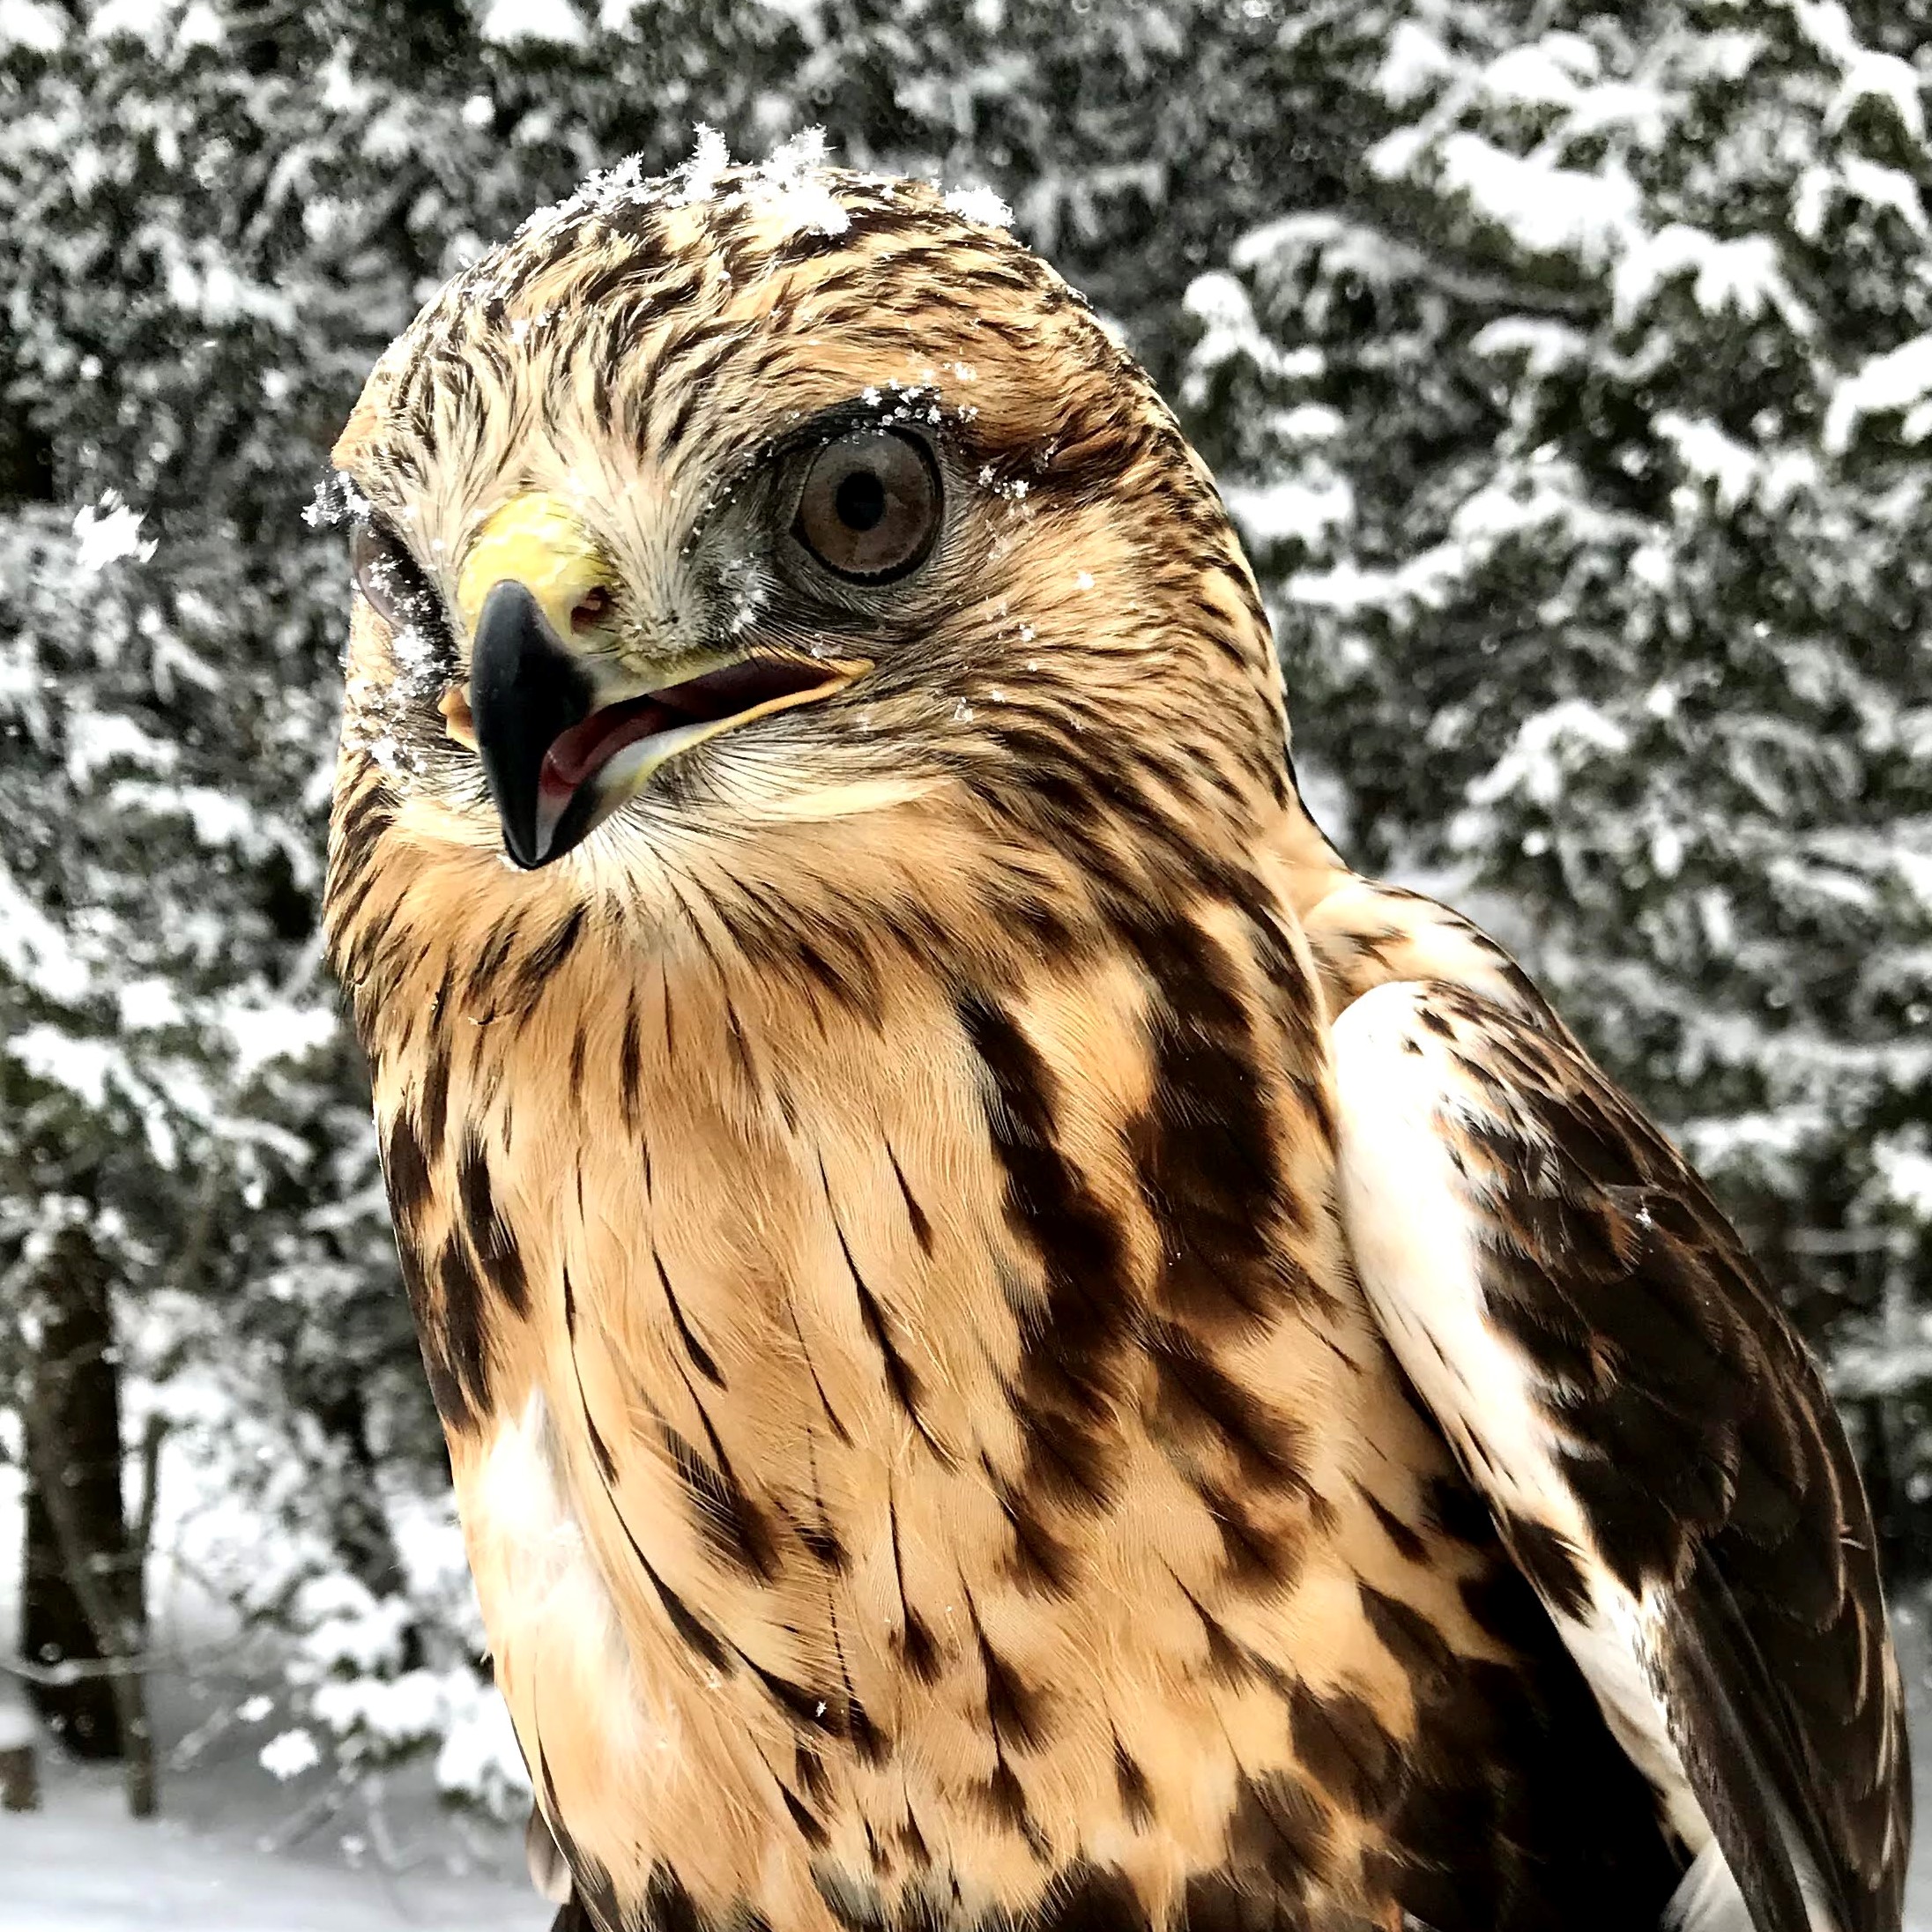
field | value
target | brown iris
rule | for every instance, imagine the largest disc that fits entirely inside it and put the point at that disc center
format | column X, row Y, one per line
column 869, row 507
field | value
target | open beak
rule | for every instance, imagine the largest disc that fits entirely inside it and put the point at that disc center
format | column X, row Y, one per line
column 559, row 757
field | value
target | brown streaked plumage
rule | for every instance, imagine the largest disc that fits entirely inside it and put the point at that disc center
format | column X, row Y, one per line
column 913, row 1186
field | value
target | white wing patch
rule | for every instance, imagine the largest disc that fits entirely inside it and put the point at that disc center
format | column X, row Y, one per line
column 1404, row 1207
column 551, row 1615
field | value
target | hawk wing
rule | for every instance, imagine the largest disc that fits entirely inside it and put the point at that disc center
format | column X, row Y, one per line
column 1658, row 1450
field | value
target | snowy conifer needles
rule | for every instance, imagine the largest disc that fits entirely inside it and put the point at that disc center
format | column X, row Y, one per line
column 1570, row 383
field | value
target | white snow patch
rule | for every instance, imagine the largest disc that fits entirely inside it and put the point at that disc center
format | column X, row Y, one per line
column 797, row 193
column 1294, row 506
column 1546, row 209
column 109, row 531
column 1533, row 75
column 1896, row 380
column 290, row 1754
column 1220, row 304
column 697, row 179
column 200, row 26
column 1545, row 346
column 1867, row 73
column 1548, row 748
column 35, row 950
column 1742, row 274
column 1709, row 455
column 81, row 1066
column 1414, row 62
column 32, row 25
column 97, row 739
column 262, row 1034
column 83, row 1865
column 217, row 817
column 982, row 205
column 1906, row 1173
column 148, row 1003
column 506, row 22
column 479, row 1756
column 142, row 19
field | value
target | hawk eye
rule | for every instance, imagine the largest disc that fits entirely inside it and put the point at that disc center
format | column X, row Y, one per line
column 387, row 575
column 869, row 507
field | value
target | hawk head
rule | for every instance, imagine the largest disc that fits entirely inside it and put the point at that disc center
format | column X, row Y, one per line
column 790, row 517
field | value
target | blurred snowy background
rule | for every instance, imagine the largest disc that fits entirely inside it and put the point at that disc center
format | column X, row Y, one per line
column 1569, row 368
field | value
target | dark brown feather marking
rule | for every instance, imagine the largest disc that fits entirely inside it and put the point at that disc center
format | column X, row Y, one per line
column 445, row 1388
column 815, row 1834
column 359, row 831
column 551, row 952
column 461, row 1324
column 901, row 1377
column 733, row 1526
column 607, row 1464
column 1208, row 1164
column 1341, row 1744
column 1279, row 1829
column 1549, row 1563
column 1015, row 1710
column 1198, row 1404
column 1136, row 1794
column 701, row 1357
column 1090, row 1897
column 630, row 1069
column 407, row 1174
column 1069, row 1370
column 916, row 1649
column 1228, row 1661
column 1409, row 1543
column 432, row 1111
column 1042, row 1564
column 1258, row 1556
column 922, row 1228
column 489, row 1234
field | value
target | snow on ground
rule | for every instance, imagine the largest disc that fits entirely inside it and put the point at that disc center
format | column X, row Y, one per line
column 234, row 1851
column 83, row 1866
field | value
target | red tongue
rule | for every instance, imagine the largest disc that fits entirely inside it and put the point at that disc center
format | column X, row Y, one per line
column 580, row 750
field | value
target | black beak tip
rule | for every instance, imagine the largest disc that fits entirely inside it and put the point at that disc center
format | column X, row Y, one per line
column 520, row 856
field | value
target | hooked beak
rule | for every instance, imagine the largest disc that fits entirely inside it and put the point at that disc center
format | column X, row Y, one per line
column 557, row 761
column 526, row 692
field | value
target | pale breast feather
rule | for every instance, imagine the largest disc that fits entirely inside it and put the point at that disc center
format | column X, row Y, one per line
column 1657, row 1449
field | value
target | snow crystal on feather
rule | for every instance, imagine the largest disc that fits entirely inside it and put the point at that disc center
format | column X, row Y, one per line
column 791, row 187
column 794, row 187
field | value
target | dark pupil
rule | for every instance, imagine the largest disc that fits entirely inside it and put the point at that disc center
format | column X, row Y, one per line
column 859, row 499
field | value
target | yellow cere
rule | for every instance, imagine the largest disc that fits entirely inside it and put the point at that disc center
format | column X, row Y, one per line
column 540, row 542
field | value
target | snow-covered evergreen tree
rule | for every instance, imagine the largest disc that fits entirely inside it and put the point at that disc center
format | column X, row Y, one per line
column 1568, row 369
column 1581, row 444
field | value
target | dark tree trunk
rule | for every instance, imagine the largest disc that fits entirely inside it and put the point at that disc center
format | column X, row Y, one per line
column 73, row 1420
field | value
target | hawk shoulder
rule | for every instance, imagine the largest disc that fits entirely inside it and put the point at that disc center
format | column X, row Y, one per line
column 1658, row 1450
